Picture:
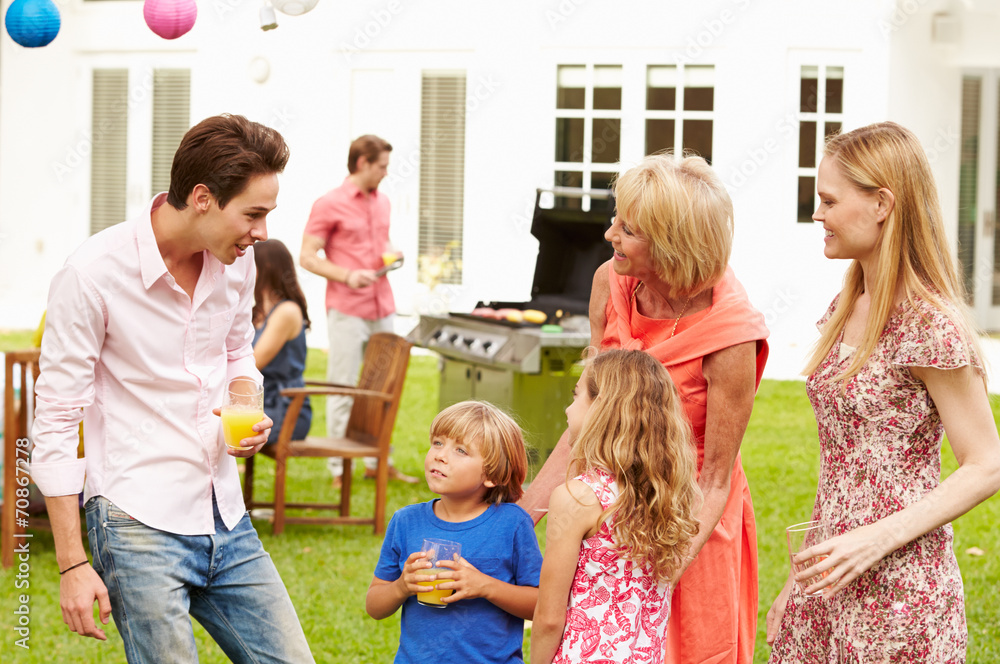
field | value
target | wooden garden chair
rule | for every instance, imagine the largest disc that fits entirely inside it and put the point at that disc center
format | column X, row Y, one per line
column 369, row 433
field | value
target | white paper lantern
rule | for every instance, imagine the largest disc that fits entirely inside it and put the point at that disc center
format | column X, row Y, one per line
column 294, row 7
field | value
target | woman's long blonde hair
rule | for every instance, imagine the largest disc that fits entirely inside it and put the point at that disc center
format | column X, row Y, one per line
column 912, row 250
column 635, row 429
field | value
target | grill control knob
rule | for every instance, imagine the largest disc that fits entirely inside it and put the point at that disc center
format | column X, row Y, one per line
column 454, row 338
column 468, row 342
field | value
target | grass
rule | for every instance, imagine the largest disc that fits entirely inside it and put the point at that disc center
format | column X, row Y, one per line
column 327, row 568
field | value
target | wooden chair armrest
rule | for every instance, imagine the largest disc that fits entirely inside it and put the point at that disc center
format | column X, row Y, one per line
column 344, row 391
column 323, row 383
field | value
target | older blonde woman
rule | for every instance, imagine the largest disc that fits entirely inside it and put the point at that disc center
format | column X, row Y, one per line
column 668, row 290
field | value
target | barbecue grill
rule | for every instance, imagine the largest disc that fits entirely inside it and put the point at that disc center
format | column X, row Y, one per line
column 530, row 369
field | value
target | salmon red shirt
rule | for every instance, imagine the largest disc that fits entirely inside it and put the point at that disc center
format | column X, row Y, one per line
column 354, row 228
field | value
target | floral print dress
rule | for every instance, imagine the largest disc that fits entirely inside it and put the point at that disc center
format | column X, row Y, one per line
column 880, row 443
column 617, row 613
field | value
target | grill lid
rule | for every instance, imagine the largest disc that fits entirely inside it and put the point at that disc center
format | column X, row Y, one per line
column 571, row 246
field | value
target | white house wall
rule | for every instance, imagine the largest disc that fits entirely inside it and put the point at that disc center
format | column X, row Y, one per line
column 351, row 68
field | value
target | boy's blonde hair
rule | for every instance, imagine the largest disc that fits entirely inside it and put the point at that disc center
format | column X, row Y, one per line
column 636, row 430
column 497, row 437
column 683, row 210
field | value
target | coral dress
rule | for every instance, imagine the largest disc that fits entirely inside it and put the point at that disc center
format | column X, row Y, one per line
column 880, row 446
column 617, row 612
column 714, row 606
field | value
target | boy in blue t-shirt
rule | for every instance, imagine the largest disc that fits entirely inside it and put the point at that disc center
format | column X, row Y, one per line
column 476, row 463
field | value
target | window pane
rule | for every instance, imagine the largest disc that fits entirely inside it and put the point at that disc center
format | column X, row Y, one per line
column 171, row 120
column 699, row 88
column 832, row 129
column 441, row 200
column 698, row 137
column 834, row 89
column 569, row 139
column 809, row 89
column 108, row 155
column 807, row 144
column 600, row 181
column 659, row 135
column 661, row 88
column 570, row 83
column 568, row 179
column 968, row 176
column 806, row 187
column 996, row 227
column 608, row 87
column 606, row 140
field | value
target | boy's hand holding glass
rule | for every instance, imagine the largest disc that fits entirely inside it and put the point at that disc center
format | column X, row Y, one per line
column 415, row 572
column 437, row 553
column 464, row 580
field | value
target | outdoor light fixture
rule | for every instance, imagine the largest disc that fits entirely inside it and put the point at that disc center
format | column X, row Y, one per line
column 170, row 18
column 32, row 23
column 268, row 21
column 294, row 7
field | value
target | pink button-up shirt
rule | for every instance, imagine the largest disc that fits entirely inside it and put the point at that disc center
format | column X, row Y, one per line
column 355, row 229
column 147, row 364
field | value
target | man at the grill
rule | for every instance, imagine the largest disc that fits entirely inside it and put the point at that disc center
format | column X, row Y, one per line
column 668, row 290
column 350, row 224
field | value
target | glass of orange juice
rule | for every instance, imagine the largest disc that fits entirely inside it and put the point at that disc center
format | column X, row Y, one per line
column 244, row 407
column 437, row 549
column 390, row 254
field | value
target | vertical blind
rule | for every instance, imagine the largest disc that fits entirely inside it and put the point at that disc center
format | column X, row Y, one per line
column 109, row 134
column 968, row 180
column 171, row 120
column 442, row 173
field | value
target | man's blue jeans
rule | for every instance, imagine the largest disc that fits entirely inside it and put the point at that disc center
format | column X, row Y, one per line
column 226, row 581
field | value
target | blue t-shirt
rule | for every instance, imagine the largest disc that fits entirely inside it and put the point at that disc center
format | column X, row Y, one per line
column 501, row 543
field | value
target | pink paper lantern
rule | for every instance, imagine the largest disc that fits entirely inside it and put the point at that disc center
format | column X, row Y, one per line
column 170, row 18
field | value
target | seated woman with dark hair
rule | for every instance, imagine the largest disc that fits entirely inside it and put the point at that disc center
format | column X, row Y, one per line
column 280, row 319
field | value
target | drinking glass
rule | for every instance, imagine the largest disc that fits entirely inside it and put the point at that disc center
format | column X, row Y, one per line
column 244, row 407
column 437, row 549
column 801, row 536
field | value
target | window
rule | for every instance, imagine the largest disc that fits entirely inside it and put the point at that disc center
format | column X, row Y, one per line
column 680, row 104
column 109, row 131
column 592, row 135
column 820, row 114
column 588, row 128
column 968, row 179
column 171, row 120
column 442, row 177
column 127, row 121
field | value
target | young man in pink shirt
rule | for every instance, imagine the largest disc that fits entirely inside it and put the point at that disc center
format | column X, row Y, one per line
column 146, row 324
column 350, row 225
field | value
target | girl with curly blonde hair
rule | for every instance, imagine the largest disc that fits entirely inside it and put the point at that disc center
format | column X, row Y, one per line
column 618, row 533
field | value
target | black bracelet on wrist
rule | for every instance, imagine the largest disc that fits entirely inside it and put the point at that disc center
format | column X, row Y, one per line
column 73, row 567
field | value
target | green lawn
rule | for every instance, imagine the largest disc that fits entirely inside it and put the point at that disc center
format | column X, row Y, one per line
column 327, row 569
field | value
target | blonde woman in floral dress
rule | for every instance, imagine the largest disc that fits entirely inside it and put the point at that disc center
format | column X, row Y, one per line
column 897, row 365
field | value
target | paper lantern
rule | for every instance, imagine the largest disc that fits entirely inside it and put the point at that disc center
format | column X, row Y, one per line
column 170, row 18
column 32, row 23
column 294, row 7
